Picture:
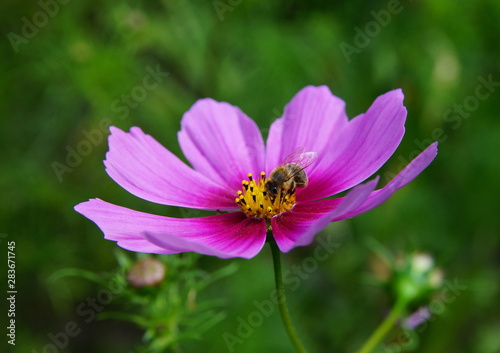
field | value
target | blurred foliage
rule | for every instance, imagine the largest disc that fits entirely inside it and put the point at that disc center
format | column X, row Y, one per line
column 158, row 293
column 71, row 79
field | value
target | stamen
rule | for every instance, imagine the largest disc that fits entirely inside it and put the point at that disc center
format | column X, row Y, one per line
column 255, row 201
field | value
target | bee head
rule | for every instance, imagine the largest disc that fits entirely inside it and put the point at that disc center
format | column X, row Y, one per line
column 271, row 189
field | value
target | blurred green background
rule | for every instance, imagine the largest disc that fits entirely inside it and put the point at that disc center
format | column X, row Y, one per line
column 65, row 69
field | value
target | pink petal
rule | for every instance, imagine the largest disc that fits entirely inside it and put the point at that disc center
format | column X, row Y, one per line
column 365, row 144
column 376, row 198
column 123, row 225
column 221, row 142
column 145, row 168
column 410, row 172
column 313, row 118
column 299, row 226
column 226, row 235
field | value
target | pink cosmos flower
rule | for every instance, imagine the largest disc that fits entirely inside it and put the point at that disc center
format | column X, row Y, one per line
column 224, row 147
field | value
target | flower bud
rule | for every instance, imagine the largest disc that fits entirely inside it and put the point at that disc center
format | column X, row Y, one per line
column 416, row 276
column 146, row 272
column 417, row 318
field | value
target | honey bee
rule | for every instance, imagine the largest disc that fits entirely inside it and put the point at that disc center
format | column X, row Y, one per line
column 290, row 173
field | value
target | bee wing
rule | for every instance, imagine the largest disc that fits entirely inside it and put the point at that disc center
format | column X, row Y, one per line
column 294, row 156
column 306, row 159
column 299, row 157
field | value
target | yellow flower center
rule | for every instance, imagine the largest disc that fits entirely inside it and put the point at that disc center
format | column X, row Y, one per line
column 255, row 201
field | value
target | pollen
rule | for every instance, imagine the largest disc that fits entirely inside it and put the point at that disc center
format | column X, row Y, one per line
column 255, row 201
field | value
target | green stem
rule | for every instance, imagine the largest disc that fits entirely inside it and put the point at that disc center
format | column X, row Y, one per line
column 285, row 316
column 384, row 327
